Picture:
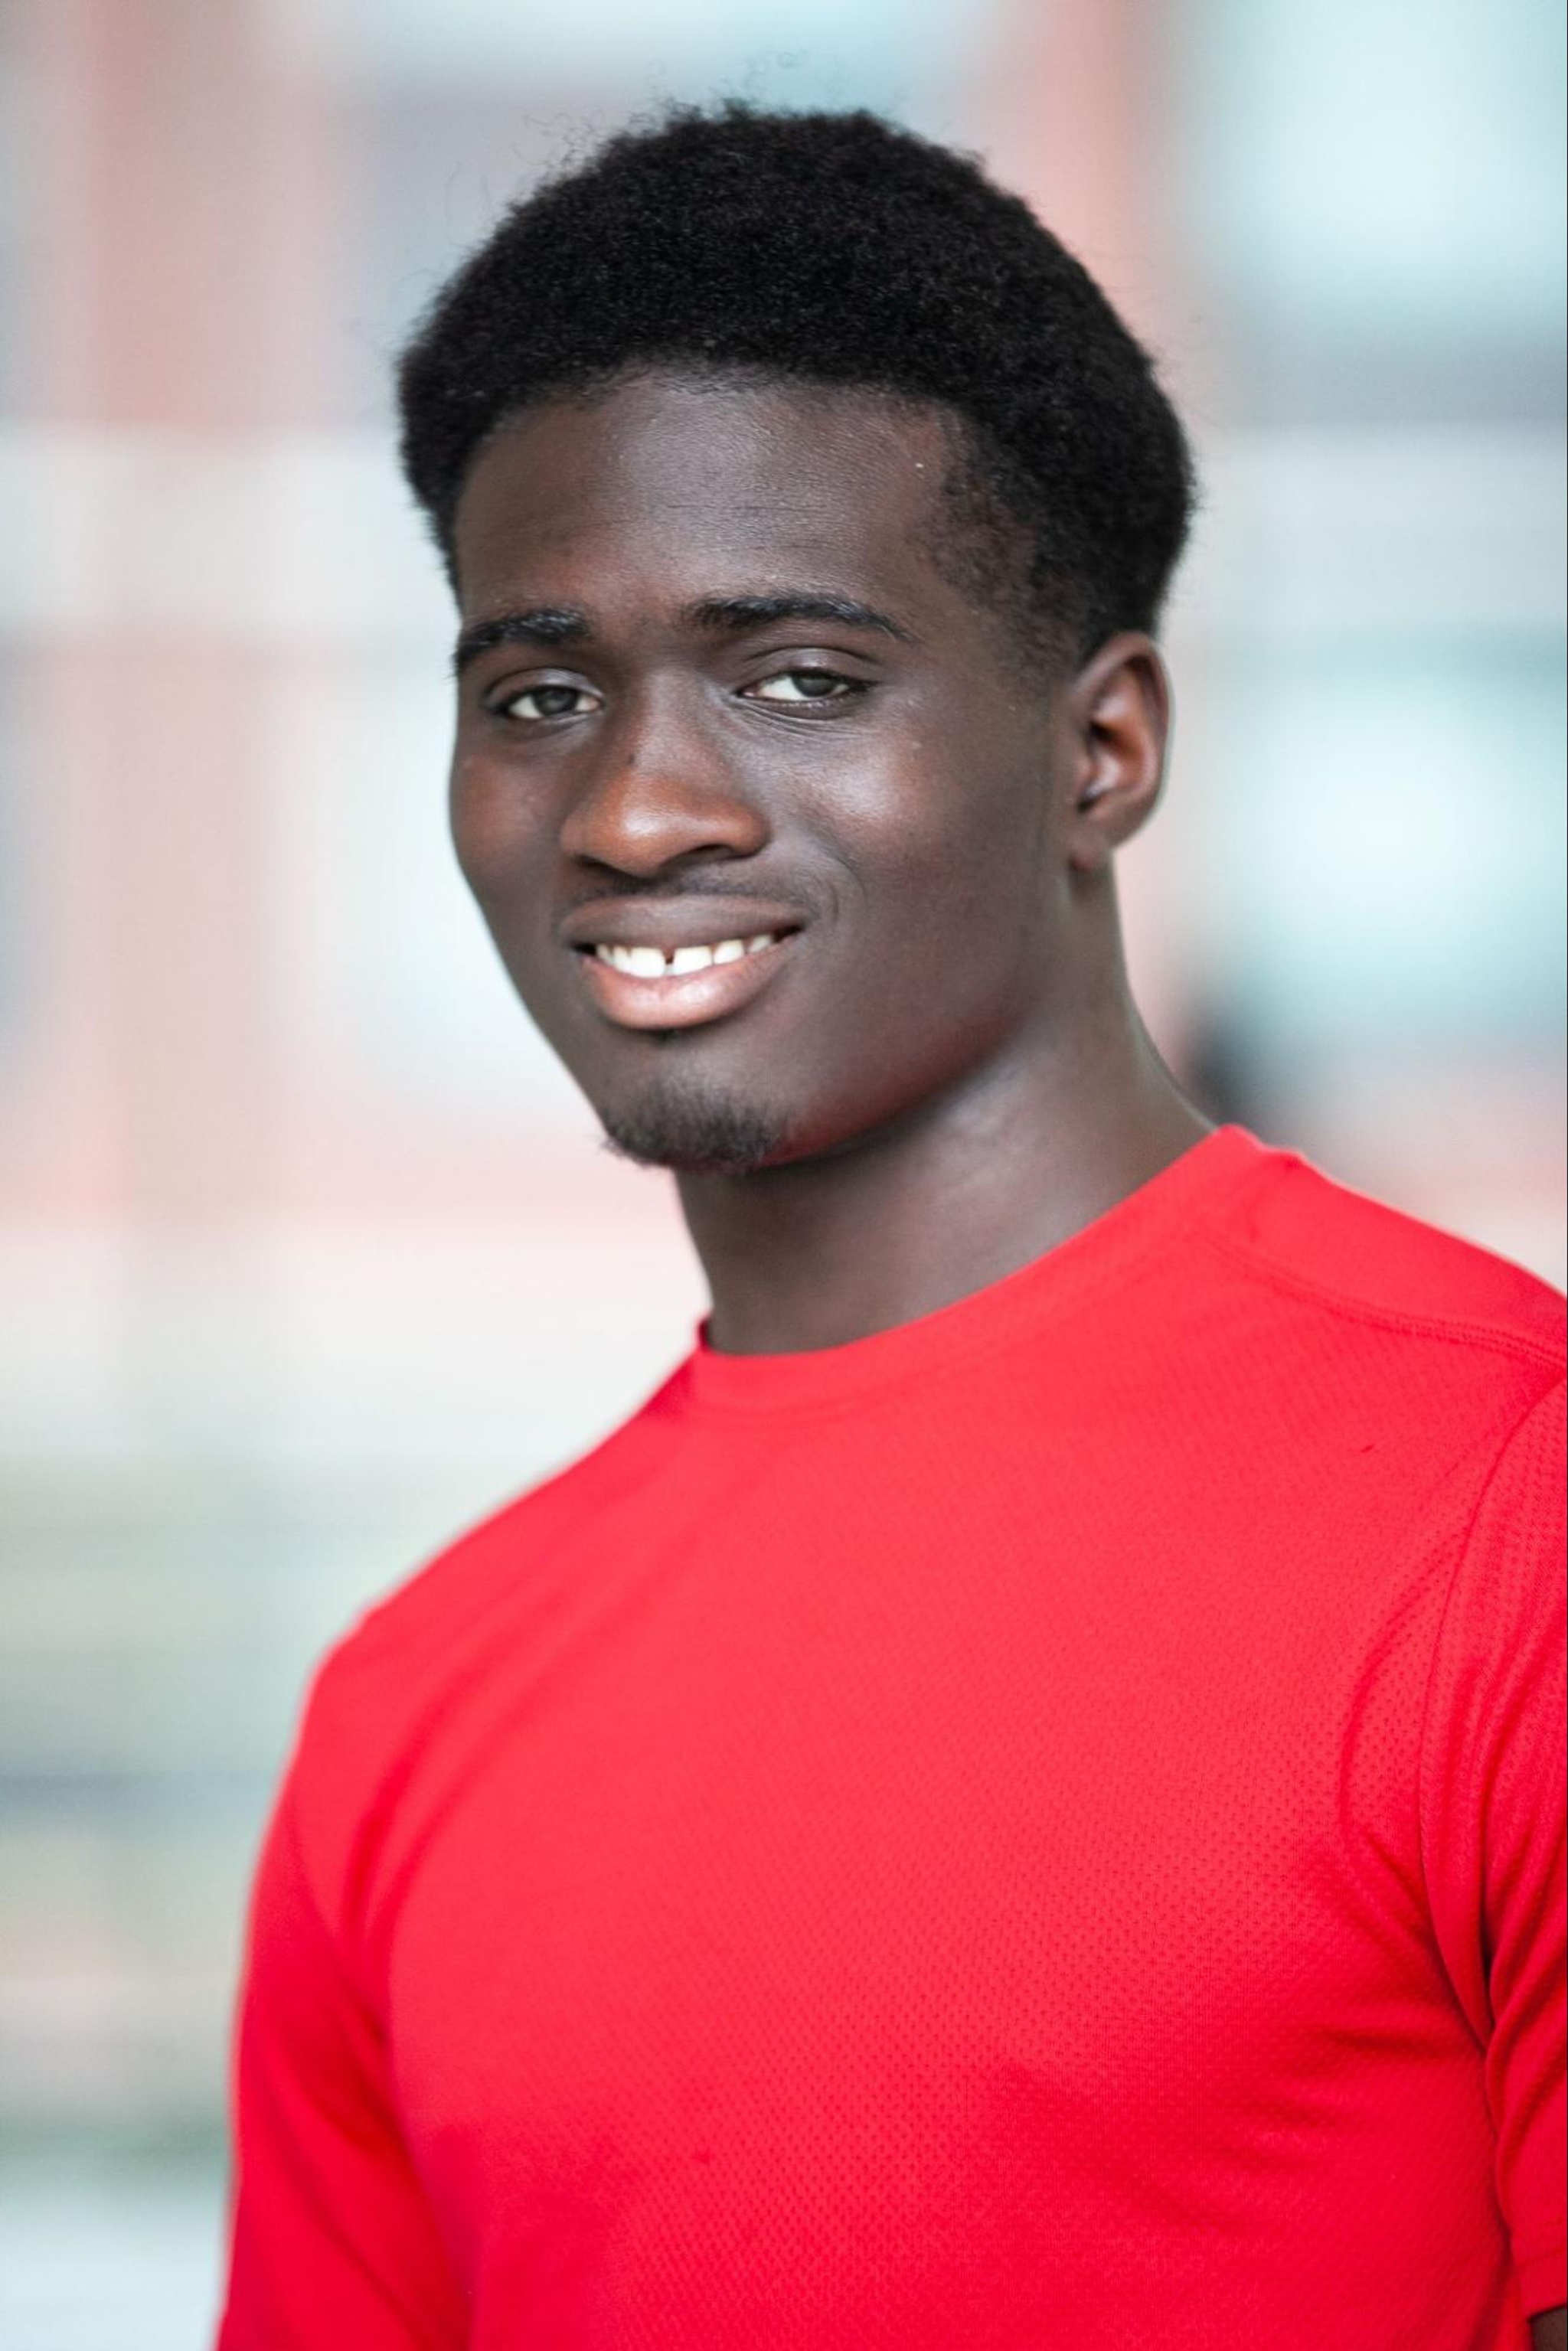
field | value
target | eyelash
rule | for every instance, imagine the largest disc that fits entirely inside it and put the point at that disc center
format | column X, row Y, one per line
column 849, row 689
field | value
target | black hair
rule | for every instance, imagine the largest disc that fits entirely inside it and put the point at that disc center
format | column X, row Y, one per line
column 833, row 250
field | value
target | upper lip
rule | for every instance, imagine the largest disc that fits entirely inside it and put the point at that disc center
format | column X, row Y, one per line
column 671, row 922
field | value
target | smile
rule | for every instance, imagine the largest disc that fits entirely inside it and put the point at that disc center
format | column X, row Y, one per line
column 639, row 986
column 656, row 963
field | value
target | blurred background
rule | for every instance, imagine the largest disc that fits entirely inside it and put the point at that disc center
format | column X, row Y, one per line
column 308, row 1255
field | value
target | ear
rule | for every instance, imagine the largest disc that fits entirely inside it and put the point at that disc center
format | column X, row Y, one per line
column 1119, row 710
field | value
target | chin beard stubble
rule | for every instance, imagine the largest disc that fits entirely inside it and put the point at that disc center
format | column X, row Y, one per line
column 694, row 1131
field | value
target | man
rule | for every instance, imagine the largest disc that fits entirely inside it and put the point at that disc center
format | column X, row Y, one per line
column 1018, row 1801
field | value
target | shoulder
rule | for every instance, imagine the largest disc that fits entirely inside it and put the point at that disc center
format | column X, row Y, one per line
column 511, row 1548
column 1365, row 1268
column 1386, row 1364
column 409, row 1668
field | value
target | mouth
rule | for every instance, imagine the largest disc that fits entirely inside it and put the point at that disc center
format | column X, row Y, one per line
column 640, row 986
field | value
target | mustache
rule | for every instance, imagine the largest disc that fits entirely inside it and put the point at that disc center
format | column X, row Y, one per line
column 764, row 890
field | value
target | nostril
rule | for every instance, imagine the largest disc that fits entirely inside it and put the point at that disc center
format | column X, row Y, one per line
column 647, row 810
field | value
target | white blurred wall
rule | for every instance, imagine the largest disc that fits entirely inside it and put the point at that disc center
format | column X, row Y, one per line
column 308, row 1252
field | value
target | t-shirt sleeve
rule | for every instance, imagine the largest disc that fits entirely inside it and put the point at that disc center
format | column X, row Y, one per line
column 1492, row 1788
column 331, row 2240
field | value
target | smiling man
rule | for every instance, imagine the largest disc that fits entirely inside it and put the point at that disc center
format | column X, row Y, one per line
column 1018, row 1801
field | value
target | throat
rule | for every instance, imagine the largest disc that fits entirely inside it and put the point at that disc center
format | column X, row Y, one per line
column 820, row 1251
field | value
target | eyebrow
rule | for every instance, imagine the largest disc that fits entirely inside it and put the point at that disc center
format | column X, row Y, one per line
column 737, row 613
column 541, row 625
column 548, row 625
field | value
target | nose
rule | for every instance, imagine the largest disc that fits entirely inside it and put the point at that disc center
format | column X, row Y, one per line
column 660, row 790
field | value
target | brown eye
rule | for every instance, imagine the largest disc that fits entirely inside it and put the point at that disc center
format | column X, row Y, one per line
column 804, row 686
column 537, row 702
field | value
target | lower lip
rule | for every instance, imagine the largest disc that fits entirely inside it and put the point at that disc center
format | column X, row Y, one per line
column 687, row 1001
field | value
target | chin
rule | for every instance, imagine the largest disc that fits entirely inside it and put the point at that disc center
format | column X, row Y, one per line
column 696, row 1130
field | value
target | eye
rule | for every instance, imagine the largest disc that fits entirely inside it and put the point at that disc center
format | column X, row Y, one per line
column 805, row 685
column 539, row 702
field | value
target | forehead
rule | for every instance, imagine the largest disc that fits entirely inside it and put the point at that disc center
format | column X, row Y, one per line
column 671, row 486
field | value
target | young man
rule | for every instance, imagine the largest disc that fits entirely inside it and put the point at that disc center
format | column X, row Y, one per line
column 1018, row 1801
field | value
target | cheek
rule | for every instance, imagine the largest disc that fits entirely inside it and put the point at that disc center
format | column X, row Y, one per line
column 946, row 833
column 495, row 827
column 943, row 956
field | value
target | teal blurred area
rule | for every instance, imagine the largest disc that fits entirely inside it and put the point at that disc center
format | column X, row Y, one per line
column 308, row 1252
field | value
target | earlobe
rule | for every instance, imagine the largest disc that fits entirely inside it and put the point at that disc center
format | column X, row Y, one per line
column 1108, row 811
column 1093, row 830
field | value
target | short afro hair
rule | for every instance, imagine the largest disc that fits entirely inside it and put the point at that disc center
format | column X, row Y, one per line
column 833, row 250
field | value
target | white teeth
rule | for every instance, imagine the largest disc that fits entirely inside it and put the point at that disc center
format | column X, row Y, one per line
column 651, row 963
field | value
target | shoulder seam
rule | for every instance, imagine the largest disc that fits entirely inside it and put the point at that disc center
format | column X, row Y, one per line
column 1461, row 1556
column 1455, row 1328
column 288, row 1826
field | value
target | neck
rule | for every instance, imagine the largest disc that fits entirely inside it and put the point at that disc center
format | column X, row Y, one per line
column 965, row 1191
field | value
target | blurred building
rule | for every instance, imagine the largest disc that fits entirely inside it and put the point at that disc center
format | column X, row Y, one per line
column 308, row 1252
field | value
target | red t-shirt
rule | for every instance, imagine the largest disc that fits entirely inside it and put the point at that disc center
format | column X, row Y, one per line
column 1042, row 1826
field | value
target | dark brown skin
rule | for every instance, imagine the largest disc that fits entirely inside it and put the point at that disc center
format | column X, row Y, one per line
column 948, row 1047
column 953, row 1047
column 1550, row 2331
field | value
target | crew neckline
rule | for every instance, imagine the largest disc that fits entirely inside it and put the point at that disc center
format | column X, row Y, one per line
column 1208, row 1173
